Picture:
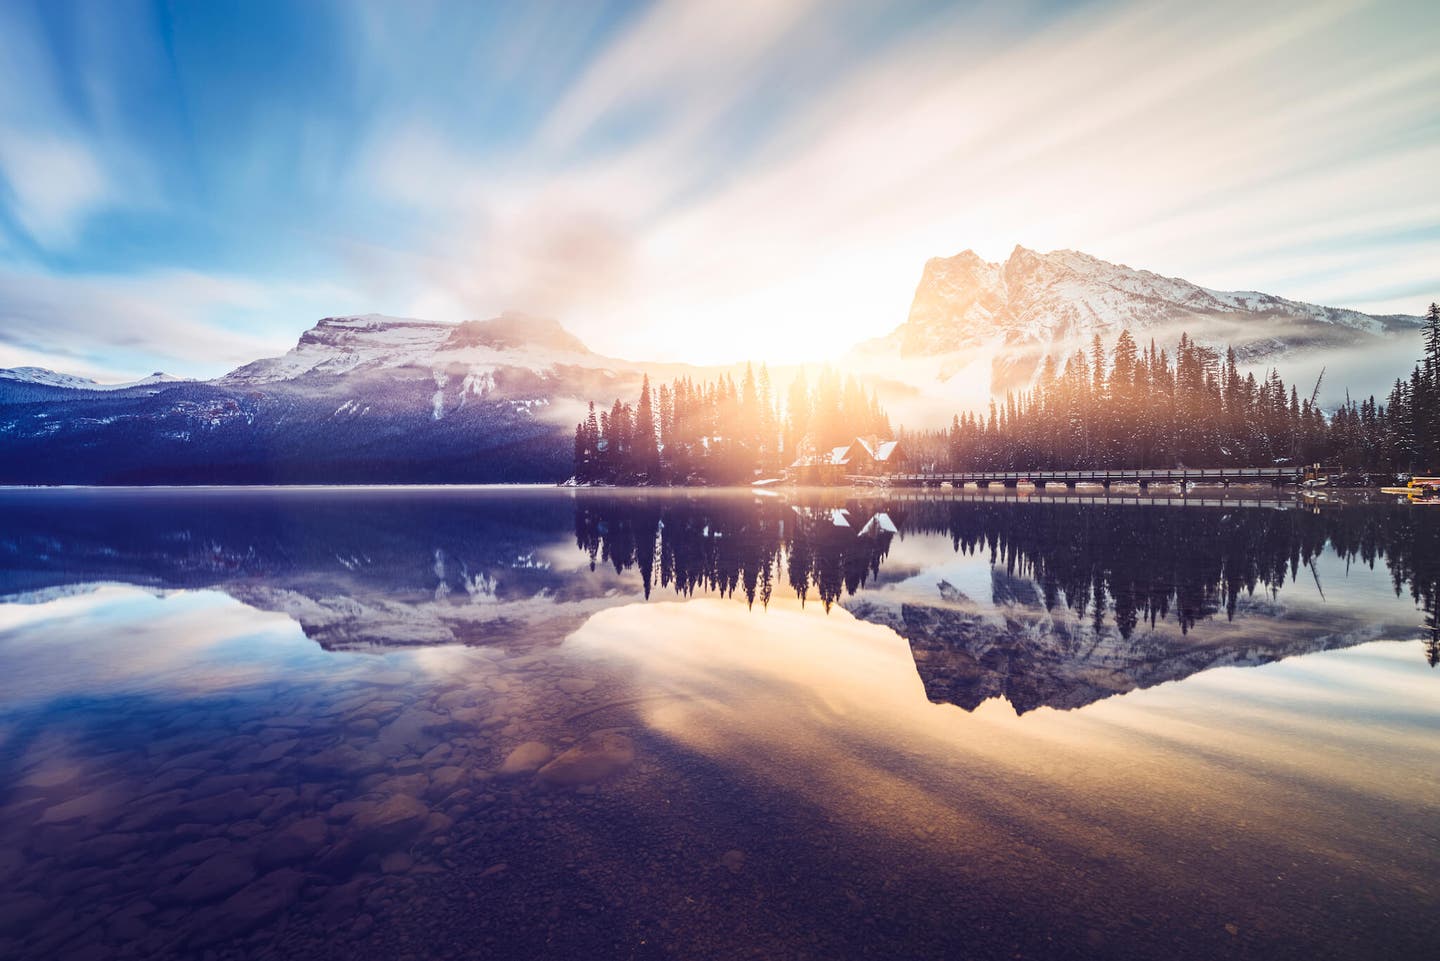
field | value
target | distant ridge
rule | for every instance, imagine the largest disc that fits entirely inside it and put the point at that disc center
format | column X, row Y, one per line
column 44, row 377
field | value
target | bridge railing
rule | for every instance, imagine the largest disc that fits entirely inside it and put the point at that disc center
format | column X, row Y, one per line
column 1102, row 475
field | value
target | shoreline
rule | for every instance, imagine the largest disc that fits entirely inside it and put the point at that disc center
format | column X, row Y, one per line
column 1085, row 493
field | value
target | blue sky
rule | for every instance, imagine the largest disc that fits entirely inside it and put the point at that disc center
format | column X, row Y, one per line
column 186, row 185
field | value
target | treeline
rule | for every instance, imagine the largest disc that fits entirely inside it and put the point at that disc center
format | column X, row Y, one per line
column 1146, row 408
column 1141, row 565
column 721, row 432
column 731, row 548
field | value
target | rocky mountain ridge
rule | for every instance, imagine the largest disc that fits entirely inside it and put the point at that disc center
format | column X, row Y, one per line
column 1035, row 306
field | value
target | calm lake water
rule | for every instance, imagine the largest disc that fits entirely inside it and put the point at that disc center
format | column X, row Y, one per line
column 549, row 724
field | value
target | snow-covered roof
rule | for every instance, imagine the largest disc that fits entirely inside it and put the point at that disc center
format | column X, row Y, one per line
column 880, row 522
column 876, row 449
column 840, row 456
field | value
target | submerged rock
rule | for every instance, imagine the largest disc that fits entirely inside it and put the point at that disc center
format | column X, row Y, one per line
column 598, row 756
column 195, row 851
column 528, row 757
column 295, row 842
column 216, row 877
column 252, row 906
column 343, row 760
column 444, row 781
column 276, row 750
column 84, row 807
column 51, row 774
column 392, row 822
column 397, row 862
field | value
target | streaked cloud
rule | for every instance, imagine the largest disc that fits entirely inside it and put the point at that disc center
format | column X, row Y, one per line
column 54, row 184
column 187, row 323
column 698, row 181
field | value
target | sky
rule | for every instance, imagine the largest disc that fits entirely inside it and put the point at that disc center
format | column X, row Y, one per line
column 186, row 186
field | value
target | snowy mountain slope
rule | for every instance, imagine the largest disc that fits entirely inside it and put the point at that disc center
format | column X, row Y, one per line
column 42, row 377
column 359, row 399
column 343, row 345
column 998, row 322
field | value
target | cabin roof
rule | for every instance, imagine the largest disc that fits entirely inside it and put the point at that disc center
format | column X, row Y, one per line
column 877, row 450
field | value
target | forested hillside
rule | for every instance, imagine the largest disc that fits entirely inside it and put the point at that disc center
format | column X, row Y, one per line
column 1132, row 407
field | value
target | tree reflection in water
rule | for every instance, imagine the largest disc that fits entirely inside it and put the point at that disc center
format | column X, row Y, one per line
column 1114, row 563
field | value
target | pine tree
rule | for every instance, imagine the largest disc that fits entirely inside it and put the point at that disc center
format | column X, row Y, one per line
column 591, row 463
column 667, row 416
column 1432, row 335
column 582, row 454
column 646, row 457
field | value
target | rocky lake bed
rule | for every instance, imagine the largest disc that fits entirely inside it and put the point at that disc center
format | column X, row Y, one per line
column 773, row 740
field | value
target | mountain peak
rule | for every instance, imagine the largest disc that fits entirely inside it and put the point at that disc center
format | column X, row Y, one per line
column 1037, row 306
column 966, row 256
column 359, row 342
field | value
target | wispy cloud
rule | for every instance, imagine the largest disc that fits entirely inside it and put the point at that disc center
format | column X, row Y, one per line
column 701, row 181
column 1162, row 135
column 112, row 328
column 55, row 184
column 704, row 55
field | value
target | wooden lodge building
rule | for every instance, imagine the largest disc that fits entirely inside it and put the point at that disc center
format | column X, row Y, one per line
column 864, row 456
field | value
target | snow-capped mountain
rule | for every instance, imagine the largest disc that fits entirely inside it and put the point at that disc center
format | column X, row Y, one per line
column 49, row 378
column 476, row 349
column 527, row 360
column 359, row 399
column 1000, row 321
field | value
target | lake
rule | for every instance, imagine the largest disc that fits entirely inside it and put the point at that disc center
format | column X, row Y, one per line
column 585, row 724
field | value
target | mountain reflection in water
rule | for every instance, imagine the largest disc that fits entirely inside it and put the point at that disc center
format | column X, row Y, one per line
column 1060, row 603
column 547, row 724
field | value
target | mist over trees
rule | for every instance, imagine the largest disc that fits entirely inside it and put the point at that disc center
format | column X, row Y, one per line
column 1123, row 407
column 1130, row 407
column 721, row 432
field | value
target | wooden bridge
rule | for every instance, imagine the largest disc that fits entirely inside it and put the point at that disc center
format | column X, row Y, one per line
column 1143, row 478
column 1267, row 499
